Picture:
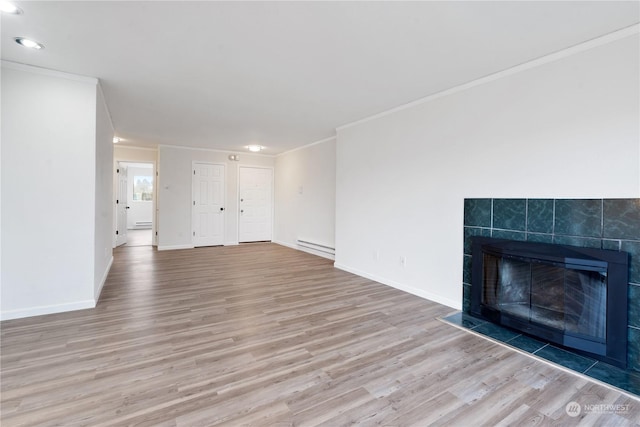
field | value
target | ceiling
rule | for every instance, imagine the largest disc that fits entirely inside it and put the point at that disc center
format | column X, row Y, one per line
column 223, row 75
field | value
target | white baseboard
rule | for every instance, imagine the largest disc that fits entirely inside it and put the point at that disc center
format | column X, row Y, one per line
column 174, row 247
column 307, row 250
column 47, row 309
column 231, row 244
column 96, row 295
column 406, row 288
column 288, row 245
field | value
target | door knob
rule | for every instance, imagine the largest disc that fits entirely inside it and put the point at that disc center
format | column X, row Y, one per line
column 128, row 207
column 221, row 209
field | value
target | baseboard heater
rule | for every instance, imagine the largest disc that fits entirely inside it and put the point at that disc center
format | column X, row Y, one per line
column 316, row 247
column 143, row 224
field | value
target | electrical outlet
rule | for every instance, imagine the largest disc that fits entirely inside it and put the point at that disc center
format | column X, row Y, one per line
column 403, row 261
column 376, row 255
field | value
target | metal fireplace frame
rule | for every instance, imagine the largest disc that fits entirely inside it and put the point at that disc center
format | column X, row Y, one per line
column 614, row 348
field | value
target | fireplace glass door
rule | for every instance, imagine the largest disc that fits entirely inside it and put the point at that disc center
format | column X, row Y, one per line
column 565, row 299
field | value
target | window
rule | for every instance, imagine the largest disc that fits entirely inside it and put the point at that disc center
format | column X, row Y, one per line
column 143, row 188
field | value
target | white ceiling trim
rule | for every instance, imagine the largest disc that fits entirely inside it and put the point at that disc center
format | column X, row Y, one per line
column 322, row 141
column 139, row 165
column 564, row 53
column 135, row 147
column 244, row 153
column 47, row 72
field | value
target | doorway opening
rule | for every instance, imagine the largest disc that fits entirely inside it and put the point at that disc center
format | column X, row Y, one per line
column 135, row 204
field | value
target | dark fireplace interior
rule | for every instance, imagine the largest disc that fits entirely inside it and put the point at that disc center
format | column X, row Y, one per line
column 572, row 296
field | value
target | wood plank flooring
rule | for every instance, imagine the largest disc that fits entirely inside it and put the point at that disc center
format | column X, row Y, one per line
column 268, row 336
column 139, row 237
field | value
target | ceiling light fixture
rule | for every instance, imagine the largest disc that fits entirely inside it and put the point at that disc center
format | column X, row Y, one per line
column 255, row 148
column 29, row 43
column 116, row 139
column 8, row 7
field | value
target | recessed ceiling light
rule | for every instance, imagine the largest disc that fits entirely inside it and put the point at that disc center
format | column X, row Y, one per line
column 8, row 7
column 255, row 148
column 116, row 139
column 28, row 43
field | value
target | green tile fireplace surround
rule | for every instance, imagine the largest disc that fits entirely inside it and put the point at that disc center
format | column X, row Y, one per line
column 612, row 224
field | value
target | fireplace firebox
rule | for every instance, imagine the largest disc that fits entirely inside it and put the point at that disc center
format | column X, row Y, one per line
column 574, row 297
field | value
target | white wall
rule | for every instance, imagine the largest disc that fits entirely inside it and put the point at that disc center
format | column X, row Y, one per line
column 174, row 192
column 103, row 192
column 139, row 210
column 567, row 128
column 48, row 191
column 305, row 196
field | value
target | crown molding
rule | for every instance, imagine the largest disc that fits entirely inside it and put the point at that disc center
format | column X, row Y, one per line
column 135, row 147
column 47, row 72
column 322, row 141
column 552, row 57
column 215, row 150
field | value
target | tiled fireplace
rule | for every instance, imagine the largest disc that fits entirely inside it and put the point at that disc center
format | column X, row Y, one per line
column 612, row 224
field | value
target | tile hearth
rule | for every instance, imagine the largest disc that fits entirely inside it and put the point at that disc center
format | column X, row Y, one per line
column 625, row 380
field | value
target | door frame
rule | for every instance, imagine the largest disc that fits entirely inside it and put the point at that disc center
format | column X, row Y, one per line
column 154, row 206
column 273, row 193
column 224, row 197
column 121, row 169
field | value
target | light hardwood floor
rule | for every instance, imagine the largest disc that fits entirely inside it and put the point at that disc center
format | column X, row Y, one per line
column 139, row 237
column 265, row 335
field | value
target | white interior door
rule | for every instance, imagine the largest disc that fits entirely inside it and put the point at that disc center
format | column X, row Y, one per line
column 208, row 204
column 256, row 204
column 121, row 206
